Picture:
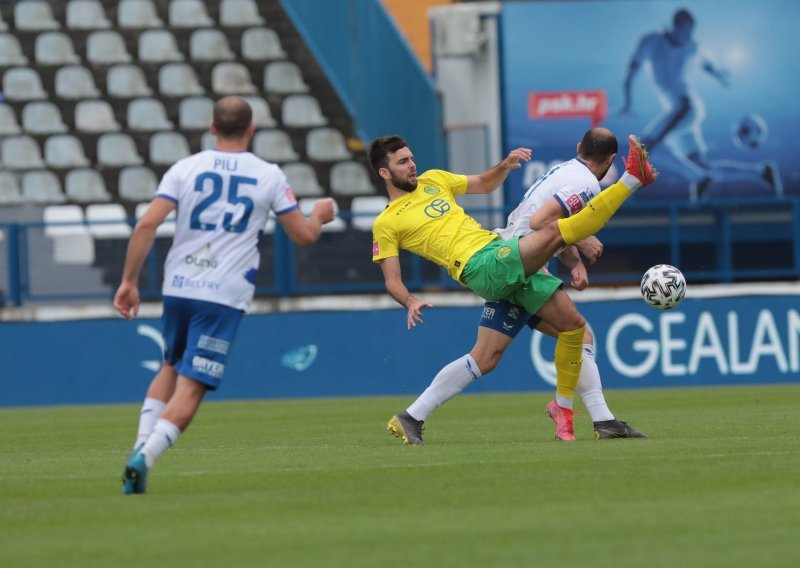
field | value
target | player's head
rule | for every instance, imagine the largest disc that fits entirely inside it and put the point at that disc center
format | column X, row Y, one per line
column 598, row 148
column 682, row 26
column 392, row 161
column 233, row 119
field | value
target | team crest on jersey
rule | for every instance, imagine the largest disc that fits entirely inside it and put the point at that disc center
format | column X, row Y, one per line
column 503, row 252
column 432, row 190
column 437, row 208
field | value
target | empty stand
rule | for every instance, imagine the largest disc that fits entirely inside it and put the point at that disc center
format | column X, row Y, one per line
column 106, row 47
column 210, row 45
column 274, row 146
column 238, row 13
column 303, row 179
column 22, row 84
column 42, row 117
column 138, row 14
column 365, row 208
column 195, row 113
column 85, row 186
column 259, row 44
column 75, row 82
column 158, row 46
column 72, row 243
column 34, row 15
column 302, row 111
column 20, row 153
column 107, row 221
column 55, row 48
column 137, row 183
column 8, row 121
column 42, row 187
column 167, row 148
column 284, row 78
column 147, row 114
column 189, row 14
column 178, row 80
column 86, row 15
column 326, row 145
column 117, row 150
column 95, row 116
column 350, row 178
column 124, row 81
column 64, row 151
column 231, row 79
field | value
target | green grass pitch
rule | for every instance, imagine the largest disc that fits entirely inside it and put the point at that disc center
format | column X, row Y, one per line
column 321, row 483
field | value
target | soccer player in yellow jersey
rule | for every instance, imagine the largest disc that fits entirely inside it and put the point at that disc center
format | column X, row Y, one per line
column 424, row 218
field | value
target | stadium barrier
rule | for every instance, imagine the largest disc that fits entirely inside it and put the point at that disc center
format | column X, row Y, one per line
column 359, row 345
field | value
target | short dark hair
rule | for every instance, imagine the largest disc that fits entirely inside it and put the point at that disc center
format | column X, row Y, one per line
column 598, row 144
column 682, row 17
column 232, row 117
column 380, row 148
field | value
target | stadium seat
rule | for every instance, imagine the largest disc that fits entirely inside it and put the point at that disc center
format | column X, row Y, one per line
column 195, row 113
column 9, row 189
column 75, row 82
column 259, row 44
column 269, row 226
column 303, row 179
column 158, row 46
column 274, row 146
column 107, row 221
column 106, row 47
column 208, row 141
column 54, row 48
column 22, row 84
column 262, row 117
column 166, row 148
column 165, row 229
column 34, row 15
column 137, row 183
column 326, row 145
column 8, row 121
column 117, row 150
column 302, row 111
column 127, row 81
column 138, row 14
column 86, row 186
column 20, row 153
column 365, row 208
column 337, row 225
column 72, row 243
column 231, row 79
column 41, row 187
column 178, row 80
column 210, row 45
column 11, row 51
column 148, row 115
column 350, row 178
column 189, row 14
column 42, row 117
column 64, row 151
column 95, row 116
column 284, row 78
column 86, row 15
column 237, row 13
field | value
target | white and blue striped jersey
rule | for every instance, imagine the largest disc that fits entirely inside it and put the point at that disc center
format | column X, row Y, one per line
column 223, row 201
column 571, row 183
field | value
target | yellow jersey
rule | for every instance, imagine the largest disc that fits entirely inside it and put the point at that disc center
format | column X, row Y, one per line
column 429, row 223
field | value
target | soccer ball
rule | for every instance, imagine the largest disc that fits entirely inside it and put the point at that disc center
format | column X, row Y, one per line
column 663, row 287
column 750, row 132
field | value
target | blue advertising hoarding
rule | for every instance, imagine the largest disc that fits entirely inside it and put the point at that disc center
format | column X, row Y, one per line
column 711, row 88
column 720, row 341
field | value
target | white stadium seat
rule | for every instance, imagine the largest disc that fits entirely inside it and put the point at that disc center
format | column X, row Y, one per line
column 350, row 178
column 303, row 179
column 337, row 225
column 106, row 47
column 284, row 78
column 95, row 116
column 236, row 13
column 165, row 229
column 262, row 117
column 9, row 189
column 34, row 15
column 208, row 141
column 42, row 117
column 195, row 113
column 138, row 14
column 86, row 15
column 274, row 146
column 260, row 44
column 72, row 243
column 54, row 48
column 137, row 183
column 22, row 84
column 178, row 80
column 117, row 150
column 41, row 187
column 127, row 81
column 8, row 121
column 108, row 221
column 166, row 148
column 302, row 111
column 148, row 115
column 158, row 46
column 232, row 79
column 11, row 51
column 365, row 208
column 64, row 151
column 210, row 45
column 86, row 186
column 75, row 82
column 326, row 145
column 20, row 153
column 189, row 14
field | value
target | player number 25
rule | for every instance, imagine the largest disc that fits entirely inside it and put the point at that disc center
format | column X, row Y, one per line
column 217, row 182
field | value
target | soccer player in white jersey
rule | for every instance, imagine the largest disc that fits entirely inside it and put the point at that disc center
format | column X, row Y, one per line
column 561, row 192
column 223, row 198
column 671, row 54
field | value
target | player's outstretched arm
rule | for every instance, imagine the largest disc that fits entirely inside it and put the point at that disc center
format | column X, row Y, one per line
column 304, row 230
column 392, row 276
column 492, row 178
column 570, row 258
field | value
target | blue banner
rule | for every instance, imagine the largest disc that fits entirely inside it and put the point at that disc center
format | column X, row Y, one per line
column 710, row 88
column 745, row 340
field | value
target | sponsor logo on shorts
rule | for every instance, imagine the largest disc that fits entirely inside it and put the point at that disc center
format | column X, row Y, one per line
column 513, row 313
column 488, row 313
column 376, row 250
column 503, row 252
column 574, row 203
column 214, row 344
column 432, row 190
column 437, row 208
column 208, row 367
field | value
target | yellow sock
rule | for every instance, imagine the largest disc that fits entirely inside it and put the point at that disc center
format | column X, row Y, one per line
column 569, row 358
column 595, row 215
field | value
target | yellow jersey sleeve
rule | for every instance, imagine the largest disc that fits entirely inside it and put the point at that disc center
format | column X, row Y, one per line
column 385, row 242
column 456, row 183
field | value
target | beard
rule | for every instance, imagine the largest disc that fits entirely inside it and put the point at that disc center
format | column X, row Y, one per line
column 405, row 185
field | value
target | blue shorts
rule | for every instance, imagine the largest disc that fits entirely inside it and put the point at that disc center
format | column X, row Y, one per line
column 197, row 338
column 507, row 318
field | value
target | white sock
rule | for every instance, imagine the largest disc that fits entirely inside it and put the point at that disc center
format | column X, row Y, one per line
column 164, row 435
column 630, row 181
column 450, row 381
column 563, row 401
column 590, row 389
column 150, row 413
